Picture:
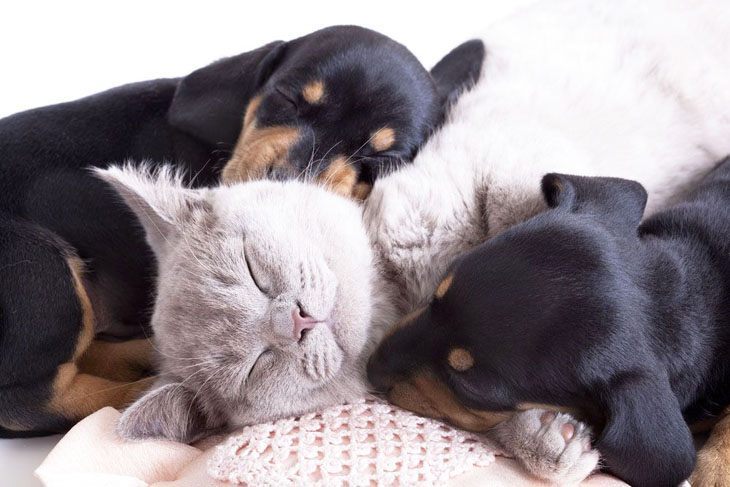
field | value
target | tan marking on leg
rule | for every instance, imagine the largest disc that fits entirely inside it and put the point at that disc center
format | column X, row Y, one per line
column 87, row 313
column 77, row 395
column 339, row 176
column 121, row 361
column 460, row 359
column 382, row 139
column 444, row 286
column 713, row 460
column 313, row 92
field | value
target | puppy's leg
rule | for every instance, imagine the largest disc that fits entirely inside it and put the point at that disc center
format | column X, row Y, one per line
column 121, row 361
column 550, row 445
column 77, row 395
column 46, row 325
column 713, row 460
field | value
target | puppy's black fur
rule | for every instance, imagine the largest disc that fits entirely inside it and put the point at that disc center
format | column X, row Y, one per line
column 332, row 95
column 583, row 307
column 54, row 212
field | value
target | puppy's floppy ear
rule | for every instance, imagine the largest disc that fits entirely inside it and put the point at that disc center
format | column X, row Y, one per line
column 159, row 199
column 645, row 440
column 458, row 70
column 209, row 103
column 618, row 202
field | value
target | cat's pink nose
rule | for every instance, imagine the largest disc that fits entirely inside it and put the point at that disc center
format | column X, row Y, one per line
column 302, row 321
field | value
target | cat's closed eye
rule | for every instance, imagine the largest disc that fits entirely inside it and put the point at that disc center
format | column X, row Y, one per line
column 259, row 284
column 258, row 361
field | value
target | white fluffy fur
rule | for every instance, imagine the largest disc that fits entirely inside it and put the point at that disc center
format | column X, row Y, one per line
column 633, row 89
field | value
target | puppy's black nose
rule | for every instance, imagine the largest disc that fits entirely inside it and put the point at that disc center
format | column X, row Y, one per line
column 378, row 374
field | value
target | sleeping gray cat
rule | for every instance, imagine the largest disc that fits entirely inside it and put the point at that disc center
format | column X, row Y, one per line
column 269, row 303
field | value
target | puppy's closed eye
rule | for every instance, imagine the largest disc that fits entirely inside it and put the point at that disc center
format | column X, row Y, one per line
column 284, row 94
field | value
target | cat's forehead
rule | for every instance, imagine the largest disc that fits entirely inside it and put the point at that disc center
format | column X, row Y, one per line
column 275, row 204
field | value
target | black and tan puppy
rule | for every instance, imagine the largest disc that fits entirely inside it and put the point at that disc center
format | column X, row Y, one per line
column 74, row 265
column 584, row 308
column 339, row 112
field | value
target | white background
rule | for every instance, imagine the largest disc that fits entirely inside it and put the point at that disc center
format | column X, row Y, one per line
column 58, row 51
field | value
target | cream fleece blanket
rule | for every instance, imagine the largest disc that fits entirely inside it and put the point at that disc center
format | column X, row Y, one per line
column 91, row 455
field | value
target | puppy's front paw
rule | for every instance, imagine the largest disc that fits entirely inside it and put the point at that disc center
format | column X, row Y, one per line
column 551, row 446
column 713, row 467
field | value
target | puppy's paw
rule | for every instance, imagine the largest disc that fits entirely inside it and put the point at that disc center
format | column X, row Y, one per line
column 713, row 467
column 551, row 446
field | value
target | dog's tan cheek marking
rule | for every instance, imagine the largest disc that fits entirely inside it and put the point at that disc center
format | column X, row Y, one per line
column 382, row 139
column 250, row 114
column 258, row 148
column 313, row 92
column 442, row 399
column 361, row 191
column 340, row 177
column 407, row 396
column 460, row 359
column 444, row 286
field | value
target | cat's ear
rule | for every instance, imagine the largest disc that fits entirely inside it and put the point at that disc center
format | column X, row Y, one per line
column 618, row 203
column 169, row 412
column 158, row 198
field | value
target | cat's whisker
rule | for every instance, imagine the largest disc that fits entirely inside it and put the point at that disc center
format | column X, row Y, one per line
column 311, row 158
column 152, row 344
column 107, row 389
column 200, row 389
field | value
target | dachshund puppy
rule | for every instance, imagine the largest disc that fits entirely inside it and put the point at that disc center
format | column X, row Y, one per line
column 339, row 107
column 583, row 308
column 75, row 264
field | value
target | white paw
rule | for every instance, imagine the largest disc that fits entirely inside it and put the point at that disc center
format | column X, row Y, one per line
column 551, row 446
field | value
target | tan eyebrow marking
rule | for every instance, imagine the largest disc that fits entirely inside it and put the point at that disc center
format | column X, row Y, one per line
column 460, row 359
column 444, row 286
column 382, row 139
column 313, row 92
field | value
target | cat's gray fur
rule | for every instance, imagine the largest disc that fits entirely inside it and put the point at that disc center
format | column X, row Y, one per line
column 212, row 322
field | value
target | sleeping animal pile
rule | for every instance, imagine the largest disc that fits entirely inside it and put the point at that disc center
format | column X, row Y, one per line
column 272, row 295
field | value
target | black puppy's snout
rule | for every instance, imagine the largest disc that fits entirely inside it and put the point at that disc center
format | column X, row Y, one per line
column 378, row 373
